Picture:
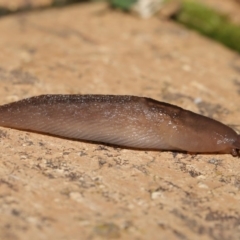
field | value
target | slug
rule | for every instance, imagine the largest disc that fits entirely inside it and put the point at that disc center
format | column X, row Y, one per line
column 128, row 121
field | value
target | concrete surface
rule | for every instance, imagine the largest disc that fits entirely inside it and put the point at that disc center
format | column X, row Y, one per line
column 53, row 188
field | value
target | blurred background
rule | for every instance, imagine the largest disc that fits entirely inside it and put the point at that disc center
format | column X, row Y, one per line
column 219, row 20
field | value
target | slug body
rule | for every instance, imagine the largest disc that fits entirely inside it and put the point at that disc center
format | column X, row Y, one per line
column 128, row 121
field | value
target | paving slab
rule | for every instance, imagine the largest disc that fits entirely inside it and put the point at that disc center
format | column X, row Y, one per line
column 53, row 188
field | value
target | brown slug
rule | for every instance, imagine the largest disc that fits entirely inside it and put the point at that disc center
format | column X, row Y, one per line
column 129, row 121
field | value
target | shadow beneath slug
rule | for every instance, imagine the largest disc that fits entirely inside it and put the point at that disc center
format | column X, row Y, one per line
column 118, row 147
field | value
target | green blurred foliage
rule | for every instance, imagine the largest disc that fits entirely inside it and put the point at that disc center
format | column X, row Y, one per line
column 210, row 23
column 122, row 4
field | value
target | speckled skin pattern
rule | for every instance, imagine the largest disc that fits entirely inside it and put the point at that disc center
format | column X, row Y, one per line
column 129, row 121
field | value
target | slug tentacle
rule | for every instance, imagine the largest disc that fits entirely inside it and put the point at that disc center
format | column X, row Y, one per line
column 129, row 121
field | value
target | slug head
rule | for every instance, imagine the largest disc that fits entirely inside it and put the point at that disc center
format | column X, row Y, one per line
column 236, row 147
column 200, row 134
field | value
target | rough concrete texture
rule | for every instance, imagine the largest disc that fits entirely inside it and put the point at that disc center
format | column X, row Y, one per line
column 53, row 188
